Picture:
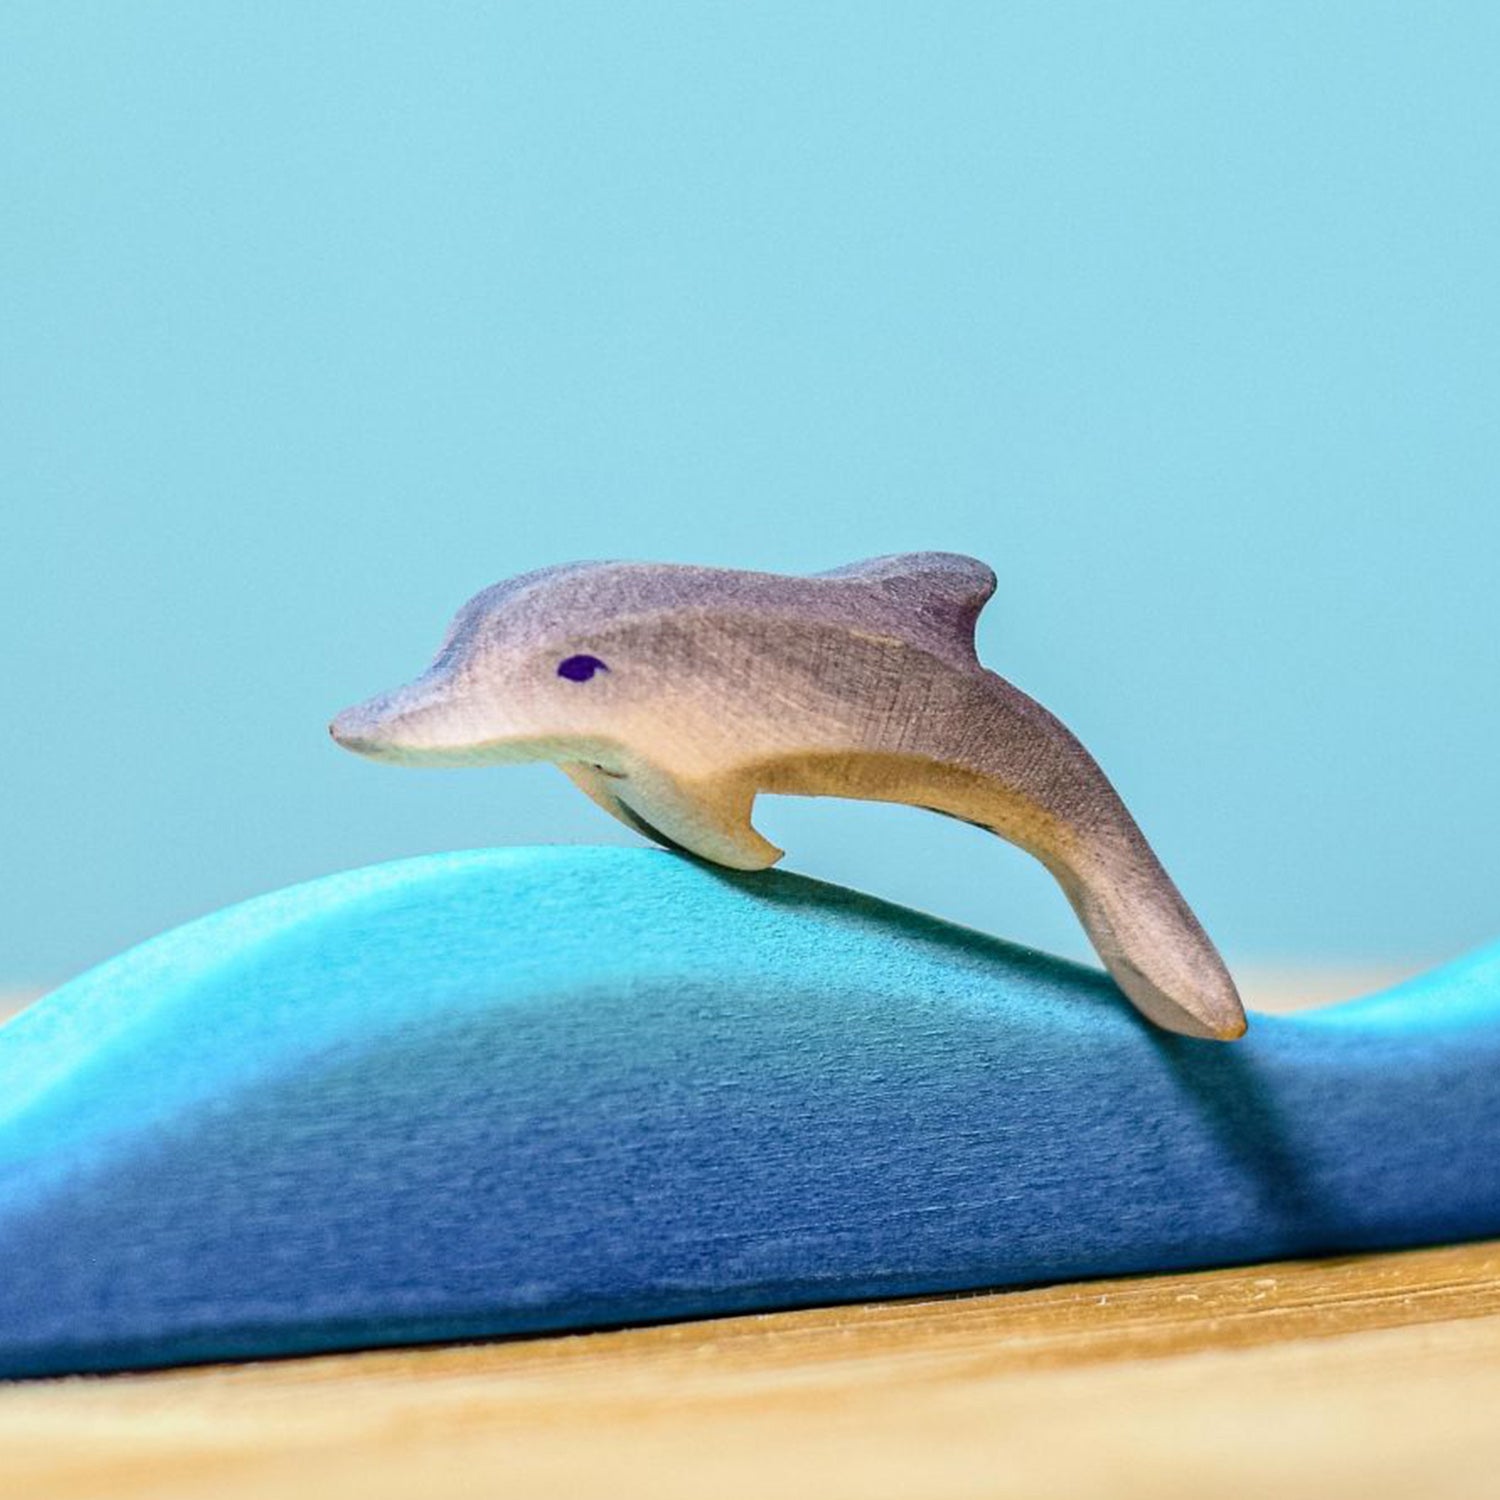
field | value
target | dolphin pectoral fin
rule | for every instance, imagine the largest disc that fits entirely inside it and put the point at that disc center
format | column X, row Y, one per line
column 710, row 820
column 594, row 784
column 706, row 819
column 598, row 785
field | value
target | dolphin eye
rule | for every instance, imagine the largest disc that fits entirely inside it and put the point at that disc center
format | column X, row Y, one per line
column 580, row 668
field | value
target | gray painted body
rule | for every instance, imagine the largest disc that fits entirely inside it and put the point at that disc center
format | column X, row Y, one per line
column 706, row 686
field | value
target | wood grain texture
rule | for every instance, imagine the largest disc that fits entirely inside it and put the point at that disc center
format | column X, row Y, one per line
column 672, row 695
column 1368, row 1377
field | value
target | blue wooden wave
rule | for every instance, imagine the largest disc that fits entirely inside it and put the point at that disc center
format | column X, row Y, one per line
column 509, row 1091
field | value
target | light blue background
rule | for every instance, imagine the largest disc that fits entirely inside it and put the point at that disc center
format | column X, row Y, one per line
column 316, row 318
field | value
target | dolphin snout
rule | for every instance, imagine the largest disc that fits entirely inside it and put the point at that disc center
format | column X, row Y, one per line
column 434, row 721
column 402, row 722
column 366, row 729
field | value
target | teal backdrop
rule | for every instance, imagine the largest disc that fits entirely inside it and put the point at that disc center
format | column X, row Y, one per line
column 314, row 319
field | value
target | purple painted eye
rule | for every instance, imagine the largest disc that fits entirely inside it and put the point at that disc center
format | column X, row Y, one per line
column 580, row 668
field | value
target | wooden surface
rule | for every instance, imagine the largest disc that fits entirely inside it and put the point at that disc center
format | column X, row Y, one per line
column 1370, row 1376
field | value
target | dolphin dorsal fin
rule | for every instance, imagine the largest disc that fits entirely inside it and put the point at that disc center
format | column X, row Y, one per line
column 939, row 593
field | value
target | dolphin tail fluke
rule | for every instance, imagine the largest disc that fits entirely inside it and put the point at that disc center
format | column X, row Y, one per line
column 1153, row 946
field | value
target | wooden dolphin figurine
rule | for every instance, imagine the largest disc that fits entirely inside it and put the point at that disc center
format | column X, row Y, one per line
column 673, row 694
